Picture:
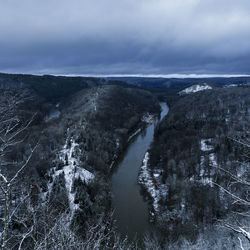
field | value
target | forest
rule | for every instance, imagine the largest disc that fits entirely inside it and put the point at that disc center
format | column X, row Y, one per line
column 201, row 152
column 61, row 138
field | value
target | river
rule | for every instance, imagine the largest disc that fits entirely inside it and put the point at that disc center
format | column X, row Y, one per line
column 131, row 210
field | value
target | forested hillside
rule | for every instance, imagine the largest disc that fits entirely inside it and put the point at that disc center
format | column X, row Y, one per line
column 177, row 83
column 52, row 88
column 196, row 153
column 61, row 138
column 56, row 160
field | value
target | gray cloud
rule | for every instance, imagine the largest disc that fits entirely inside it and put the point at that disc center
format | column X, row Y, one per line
column 125, row 36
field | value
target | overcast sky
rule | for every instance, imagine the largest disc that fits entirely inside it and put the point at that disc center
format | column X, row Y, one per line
column 125, row 36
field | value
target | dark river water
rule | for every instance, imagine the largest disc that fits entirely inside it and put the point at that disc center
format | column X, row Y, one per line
column 131, row 210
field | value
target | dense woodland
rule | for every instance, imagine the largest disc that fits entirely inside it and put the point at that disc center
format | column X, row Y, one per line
column 197, row 152
column 75, row 140
column 60, row 138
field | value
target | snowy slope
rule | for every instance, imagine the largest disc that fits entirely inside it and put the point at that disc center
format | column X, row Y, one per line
column 71, row 171
column 195, row 88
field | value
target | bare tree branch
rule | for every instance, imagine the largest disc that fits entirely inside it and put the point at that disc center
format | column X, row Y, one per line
column 239, row 230
column 246, row 144
column 235, row 197
column 24, row 165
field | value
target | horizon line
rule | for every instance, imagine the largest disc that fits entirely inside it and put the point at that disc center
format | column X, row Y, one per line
column 167, row 76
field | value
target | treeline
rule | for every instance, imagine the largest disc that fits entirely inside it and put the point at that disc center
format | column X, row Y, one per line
column 52, row 88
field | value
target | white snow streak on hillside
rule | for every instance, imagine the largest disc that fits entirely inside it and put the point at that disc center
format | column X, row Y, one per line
column 205, row 178
column 71, row 171
column 212, row 160
column 205, row 145
column 195, row 88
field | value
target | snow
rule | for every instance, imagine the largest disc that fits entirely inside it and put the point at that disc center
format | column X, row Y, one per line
column 70, row 171
column 148, row 118
column 112, row 164
column 204, row 145
column 156, row 175
column 117, row 143
column 241, row 170
column 94, row 101
column 230, row 85
column 52, row 115
column 206, row 179
column 115, row 156
column 202, row 170
column 195, row 88
column 146, row 180
column 151, row 181
column 134, row 134
column 212, row 160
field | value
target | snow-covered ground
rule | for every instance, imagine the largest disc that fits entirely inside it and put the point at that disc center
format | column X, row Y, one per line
column 151, row 181
column 205, row 145
column 195, row 88
column 230, row 85
column 236, row 85
column 148, row 118
column 94, row 101
column 55, row 113
column 205, row 177
column 146, row 180
column 71, row 171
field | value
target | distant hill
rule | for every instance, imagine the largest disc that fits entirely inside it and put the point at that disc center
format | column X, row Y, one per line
column 179, row 83
column 190, row 146
column 52, row 87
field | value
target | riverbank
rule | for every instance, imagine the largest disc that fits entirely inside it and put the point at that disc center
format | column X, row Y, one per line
column 131, row 210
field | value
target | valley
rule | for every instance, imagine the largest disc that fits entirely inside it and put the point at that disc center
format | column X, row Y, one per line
column 130, row 208
column 103, row 163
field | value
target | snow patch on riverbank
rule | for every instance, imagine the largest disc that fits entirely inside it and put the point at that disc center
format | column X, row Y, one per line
column 146, row 180
column 151, row 182
column 134, row 134
column 147, row 118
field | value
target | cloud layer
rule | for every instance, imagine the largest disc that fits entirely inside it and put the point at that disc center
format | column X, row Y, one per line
column 125, row 36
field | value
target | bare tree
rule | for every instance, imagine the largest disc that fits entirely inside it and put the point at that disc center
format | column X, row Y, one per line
column 241, row 198
column 12, row 130
column 100, row 235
